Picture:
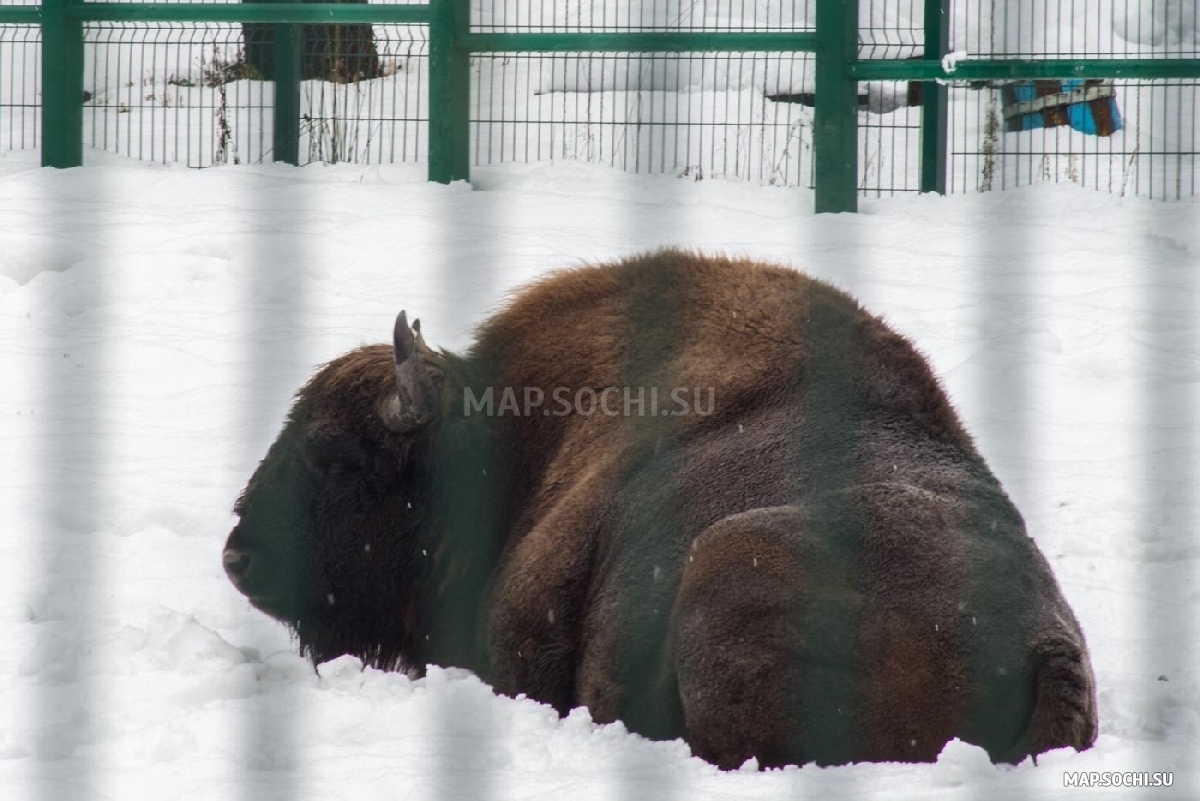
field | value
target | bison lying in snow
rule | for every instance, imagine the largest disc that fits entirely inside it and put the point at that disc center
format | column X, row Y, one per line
column 714, row 499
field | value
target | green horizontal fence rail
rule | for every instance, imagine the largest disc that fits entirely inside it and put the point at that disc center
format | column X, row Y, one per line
column 451, row 44
column 1027, row 69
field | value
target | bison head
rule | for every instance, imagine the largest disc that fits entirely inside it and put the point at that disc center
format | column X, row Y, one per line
column 333, row 533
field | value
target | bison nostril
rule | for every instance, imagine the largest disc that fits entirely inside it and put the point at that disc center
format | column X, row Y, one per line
column 237, row 563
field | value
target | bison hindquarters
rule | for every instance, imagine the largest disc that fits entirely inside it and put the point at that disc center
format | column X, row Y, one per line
column 786, row 651
column 1064, row 711
column 741, row 658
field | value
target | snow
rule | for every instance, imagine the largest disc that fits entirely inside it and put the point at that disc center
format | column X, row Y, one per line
column 154, row 322
column 1166, row 23
column 950, row 61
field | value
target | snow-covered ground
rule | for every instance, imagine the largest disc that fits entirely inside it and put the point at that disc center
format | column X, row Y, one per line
column 154, row 322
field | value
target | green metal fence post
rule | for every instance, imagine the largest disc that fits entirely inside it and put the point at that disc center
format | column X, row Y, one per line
column 835, row 123
column 287, row 93
column 62, row 86
column 933, row 101
column 449, row 92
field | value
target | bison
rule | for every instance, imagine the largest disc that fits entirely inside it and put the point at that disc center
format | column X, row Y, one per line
column 712, row 498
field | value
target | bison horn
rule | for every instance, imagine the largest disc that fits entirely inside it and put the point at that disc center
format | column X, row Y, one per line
column 412, row 404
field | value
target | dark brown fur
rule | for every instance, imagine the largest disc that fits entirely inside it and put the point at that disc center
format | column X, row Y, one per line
column 822, row 569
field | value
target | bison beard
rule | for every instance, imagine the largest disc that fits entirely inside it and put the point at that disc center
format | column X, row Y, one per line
column 822, row 569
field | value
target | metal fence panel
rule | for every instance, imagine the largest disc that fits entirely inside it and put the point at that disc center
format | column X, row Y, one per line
column 196, row 93
column 1151, row 154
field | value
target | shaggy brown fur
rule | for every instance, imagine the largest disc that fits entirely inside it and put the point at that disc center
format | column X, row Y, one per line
column 820, row 569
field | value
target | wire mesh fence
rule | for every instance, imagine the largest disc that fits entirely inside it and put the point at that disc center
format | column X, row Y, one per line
column 173, row 93
column 1118, row 136
column 197, row 94
column 190, row 94
column 1153, row 155
column 694, row 115
column 20, row 86
column 187, row 94
column 889, row 119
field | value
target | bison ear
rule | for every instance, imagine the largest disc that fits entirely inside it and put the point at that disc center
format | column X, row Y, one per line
column 414, row 402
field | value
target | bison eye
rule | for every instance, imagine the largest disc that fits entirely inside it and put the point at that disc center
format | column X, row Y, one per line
column 328, row 454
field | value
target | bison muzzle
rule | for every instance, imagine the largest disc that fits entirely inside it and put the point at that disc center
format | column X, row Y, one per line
column 712, row 498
